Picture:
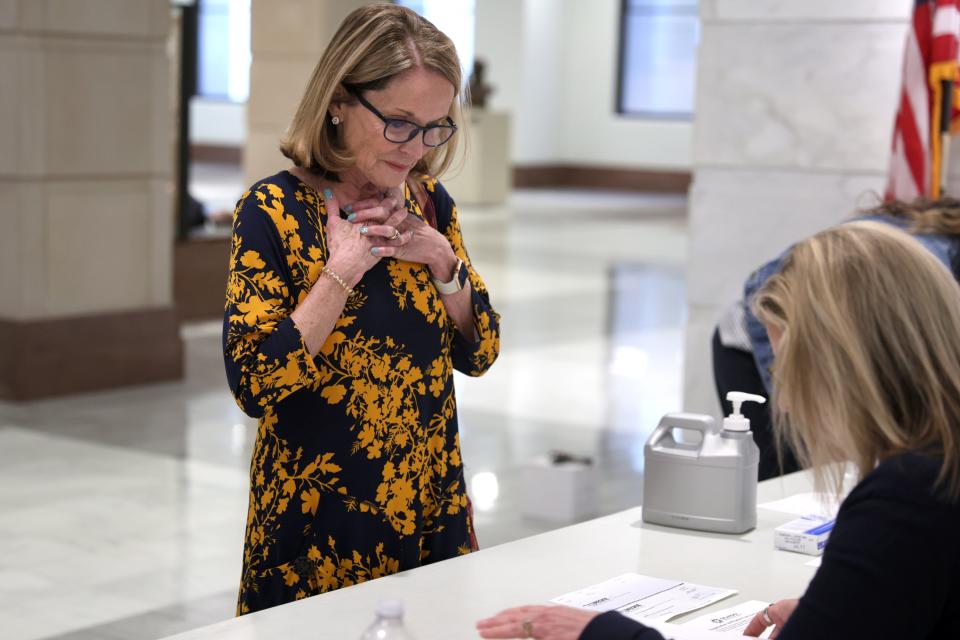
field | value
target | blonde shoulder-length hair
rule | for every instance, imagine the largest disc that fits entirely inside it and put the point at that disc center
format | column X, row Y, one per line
column 374, row 44
column 868, row 365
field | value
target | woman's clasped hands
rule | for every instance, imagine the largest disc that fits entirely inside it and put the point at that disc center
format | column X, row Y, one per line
column 379, row 228
column 358, row 243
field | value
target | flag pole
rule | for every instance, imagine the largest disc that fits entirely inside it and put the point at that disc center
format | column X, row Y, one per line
column 946, row 107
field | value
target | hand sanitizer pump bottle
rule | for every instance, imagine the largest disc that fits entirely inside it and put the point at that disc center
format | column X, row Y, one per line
column 736, row 422
column 710, row 485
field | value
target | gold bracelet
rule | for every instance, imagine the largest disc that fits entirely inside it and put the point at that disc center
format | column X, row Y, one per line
column 330, row 272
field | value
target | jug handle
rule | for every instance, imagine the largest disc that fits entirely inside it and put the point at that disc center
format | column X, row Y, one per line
column 689, row 421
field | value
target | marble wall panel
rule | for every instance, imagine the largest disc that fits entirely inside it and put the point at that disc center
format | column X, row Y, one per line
column 126, row 18
column 795, row 108
column 953, row 168
column 22, row 107
column 287, row 38
column 8, row 14
column 10, row 262
column 809, row 96
column 161, row 119
column 813, row 10
column 10, row 107
column 288, row 27
column 298, row 27
column 160, row 238
column 277, row 85
column 699, row 388
column 27, row 216
column 34, row 106
column 261, row 155
column 97, row 238
column 99, row 101
column 739, row 219
column 335, row 12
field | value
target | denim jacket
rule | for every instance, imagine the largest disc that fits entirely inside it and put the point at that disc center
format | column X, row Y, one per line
column 946, row 248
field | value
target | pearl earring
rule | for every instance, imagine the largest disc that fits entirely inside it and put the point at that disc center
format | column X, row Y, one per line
column 335, row 120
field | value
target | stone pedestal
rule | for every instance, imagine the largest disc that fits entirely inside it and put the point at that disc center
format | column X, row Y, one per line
column 485, row 176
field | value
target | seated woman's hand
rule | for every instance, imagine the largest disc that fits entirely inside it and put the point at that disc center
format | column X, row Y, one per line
column 778, row 614
column 537, row 621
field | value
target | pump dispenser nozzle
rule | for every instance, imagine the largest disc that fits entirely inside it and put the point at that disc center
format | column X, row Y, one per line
column 736, row 421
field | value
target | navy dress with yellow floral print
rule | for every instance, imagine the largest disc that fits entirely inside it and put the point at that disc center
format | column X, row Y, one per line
column 356, row 470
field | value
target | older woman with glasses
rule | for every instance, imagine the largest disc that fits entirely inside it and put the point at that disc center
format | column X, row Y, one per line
column 351, row 300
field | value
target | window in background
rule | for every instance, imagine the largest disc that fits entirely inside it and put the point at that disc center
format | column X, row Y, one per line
column 224, row 50
column 658, row 58
column 457, row 19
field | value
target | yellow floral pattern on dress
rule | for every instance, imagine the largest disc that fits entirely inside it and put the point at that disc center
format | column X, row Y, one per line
column 356, row 470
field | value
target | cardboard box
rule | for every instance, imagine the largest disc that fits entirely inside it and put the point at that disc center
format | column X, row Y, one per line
column 806, row 535
column 560, row 492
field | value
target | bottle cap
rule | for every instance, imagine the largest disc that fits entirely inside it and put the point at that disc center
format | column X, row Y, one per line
column 390, row 608
column 736, row 420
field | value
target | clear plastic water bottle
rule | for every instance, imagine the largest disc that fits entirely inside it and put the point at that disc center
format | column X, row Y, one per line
column 389, row 623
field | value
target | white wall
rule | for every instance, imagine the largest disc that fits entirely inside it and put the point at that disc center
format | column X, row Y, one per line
column 594, row 134
column 218, row 123
column 554, row 66
column 499, row 42
column 537, row 132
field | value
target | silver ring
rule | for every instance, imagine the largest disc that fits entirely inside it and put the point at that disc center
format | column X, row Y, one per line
column 766, row 616
column 527, row 627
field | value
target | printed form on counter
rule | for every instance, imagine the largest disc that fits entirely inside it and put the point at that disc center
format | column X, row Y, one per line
column 643, row 597
column 732, row 620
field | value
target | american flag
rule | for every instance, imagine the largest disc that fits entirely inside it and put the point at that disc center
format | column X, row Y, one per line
column 929, row 60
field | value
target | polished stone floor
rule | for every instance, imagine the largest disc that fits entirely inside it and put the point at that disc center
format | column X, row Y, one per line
column 122, row 513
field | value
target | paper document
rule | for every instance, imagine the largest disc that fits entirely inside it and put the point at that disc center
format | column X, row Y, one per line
column 732, row 620
column 672, row 631
column 805, row 504
column 644, row 598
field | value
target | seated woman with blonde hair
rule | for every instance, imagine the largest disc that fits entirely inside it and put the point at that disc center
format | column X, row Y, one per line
column 865, row 325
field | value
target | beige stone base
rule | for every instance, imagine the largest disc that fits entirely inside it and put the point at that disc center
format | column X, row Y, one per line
column 201, row 268
column 53, row 357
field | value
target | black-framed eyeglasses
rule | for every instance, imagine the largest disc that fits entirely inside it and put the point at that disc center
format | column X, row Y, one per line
column 400, row 131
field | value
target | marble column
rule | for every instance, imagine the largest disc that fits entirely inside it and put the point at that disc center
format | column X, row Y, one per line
column 794, row 117
column 287, row 39
column 86, row 158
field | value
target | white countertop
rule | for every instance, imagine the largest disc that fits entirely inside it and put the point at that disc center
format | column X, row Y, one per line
column 444, row 600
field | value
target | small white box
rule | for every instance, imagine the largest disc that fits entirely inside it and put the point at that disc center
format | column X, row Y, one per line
column 560, row 492
column 806, row 535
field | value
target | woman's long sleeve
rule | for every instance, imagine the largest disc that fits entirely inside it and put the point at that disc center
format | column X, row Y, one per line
column 472, row 357
column 265, row 356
